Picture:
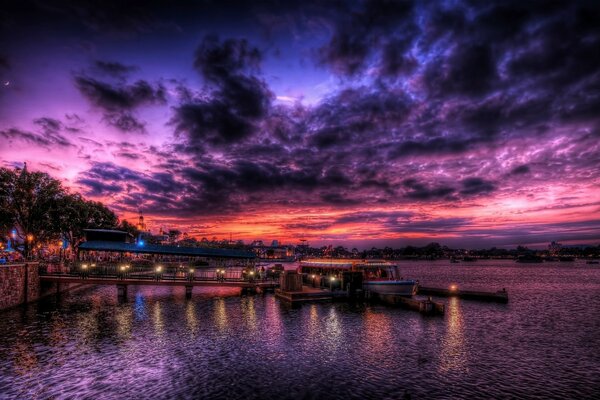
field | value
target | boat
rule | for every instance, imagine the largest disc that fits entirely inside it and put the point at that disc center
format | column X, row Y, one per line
column 378, row 276
column 566, row 258
column 592, row 262
column 469, row 259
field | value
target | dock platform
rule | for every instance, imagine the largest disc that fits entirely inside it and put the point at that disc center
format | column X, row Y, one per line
column 306, row 295
column 500, row 296
column 424, row 306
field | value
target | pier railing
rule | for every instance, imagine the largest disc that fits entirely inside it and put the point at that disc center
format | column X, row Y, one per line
column 164, row 272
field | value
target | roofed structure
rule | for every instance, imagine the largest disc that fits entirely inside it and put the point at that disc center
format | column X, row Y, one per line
column 121, row 247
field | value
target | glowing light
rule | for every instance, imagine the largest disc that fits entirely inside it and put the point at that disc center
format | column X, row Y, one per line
column 159, row 268
column 93, row 265
column 30, row 238
column 123, row 268
column 191, row 270
column 313, row 276
column 140, row 243
column 84, row 266
column 453, row 288
column 251, row 272
column 332, row 278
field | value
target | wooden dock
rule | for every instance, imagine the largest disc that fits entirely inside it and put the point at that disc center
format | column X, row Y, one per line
column 306, row 295
column 500, row 296
column 424, row 306
column 133, row 280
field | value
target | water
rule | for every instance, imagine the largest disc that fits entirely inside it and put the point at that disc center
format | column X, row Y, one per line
column 543, row 344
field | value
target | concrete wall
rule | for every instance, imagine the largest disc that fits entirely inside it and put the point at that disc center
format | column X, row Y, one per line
column 19, row 283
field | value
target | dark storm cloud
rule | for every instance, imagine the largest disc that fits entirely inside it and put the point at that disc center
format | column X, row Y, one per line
column 437, row 225
column 469, row 187
column 475, row 186
column 218, row 61
column 157, row 190
column 125, row 122
column 107, row 171
column 98, row 187
column 338, row 199
column 420, row 191
column 359, row 29
column 374, row 216
column 50, row 134
column 238, row 100
column 48, row 125
column 114, row 69
column 520, row 170
column 438, row 145
column 360, row 114
column 120, row 97
column 119, row 101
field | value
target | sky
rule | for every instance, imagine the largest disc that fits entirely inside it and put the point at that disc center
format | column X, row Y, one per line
column 368, row 123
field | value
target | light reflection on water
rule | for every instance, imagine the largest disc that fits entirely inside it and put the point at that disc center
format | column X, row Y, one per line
column 157, row 318
column 223, row 345
column 453, row 357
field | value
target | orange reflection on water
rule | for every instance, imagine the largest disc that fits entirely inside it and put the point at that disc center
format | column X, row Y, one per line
column 221, row 315
column 378, row 331
column 124, row 319
column 24, row 357
column 249, row 313
column 453, row 357
column 190, row 316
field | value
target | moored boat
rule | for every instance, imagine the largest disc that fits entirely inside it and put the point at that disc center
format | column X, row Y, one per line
column 381, row 277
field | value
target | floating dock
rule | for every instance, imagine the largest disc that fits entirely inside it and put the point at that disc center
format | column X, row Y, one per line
column 424, row 306
column 500, row 296
column 307, row 294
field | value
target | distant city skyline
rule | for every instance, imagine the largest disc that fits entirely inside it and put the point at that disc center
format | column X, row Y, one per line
column 358, row 124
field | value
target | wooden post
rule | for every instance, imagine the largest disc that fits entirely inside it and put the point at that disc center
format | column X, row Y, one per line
column 122, row 292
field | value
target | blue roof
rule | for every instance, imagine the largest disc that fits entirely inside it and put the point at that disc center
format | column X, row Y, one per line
column 98, row 245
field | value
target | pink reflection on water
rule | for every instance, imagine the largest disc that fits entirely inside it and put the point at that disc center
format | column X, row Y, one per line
column 454, row 357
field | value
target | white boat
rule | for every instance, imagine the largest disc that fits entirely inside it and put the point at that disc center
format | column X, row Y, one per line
column 381, row 277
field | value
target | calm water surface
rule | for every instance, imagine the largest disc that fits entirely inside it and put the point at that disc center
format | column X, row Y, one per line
column 544, row 344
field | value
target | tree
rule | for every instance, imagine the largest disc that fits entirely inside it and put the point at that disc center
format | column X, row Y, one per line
column 28, row 201
column 75, row 214
column 130, row 228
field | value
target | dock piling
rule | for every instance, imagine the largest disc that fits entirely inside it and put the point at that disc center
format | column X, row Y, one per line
column 122, row 292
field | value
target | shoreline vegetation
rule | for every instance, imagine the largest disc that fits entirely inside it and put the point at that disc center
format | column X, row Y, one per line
column 39, row 218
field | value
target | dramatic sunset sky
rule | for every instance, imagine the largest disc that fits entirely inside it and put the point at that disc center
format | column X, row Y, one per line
column 347, row 123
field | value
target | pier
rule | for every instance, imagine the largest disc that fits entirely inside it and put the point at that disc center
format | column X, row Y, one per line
column 189, row 284
column 500, row 296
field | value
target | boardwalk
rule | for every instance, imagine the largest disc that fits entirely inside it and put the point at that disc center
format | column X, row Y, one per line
column 139, row 280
